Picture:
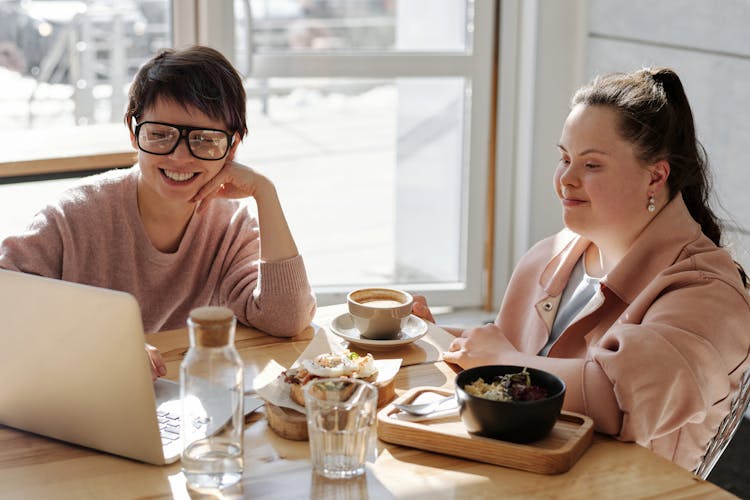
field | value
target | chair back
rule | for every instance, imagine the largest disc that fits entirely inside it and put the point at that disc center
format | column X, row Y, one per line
column 727, row 428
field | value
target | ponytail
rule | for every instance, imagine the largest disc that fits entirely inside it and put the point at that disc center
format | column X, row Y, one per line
column 686, row 156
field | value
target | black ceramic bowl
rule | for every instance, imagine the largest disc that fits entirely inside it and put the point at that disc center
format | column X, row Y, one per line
column 515, row 421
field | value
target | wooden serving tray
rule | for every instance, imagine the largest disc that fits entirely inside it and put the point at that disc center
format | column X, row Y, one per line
column 556, row 453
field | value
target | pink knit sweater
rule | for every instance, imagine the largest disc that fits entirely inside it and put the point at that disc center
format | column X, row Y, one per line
column 93, row 234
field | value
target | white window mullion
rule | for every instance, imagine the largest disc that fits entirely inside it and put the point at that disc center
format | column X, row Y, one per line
column 184, row 22
column 216, row 25
column 204, row 22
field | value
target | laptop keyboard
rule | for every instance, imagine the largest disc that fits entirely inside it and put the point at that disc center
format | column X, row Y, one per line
column 169, row 426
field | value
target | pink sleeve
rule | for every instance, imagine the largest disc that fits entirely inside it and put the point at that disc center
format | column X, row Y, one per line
column 284, row 304
column 39, row 249
column 275, row 297
column 670, row 369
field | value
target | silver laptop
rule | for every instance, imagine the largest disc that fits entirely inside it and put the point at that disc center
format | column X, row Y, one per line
column 73, row 367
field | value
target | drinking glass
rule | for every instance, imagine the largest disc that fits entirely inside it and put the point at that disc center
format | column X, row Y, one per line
column 341, row 424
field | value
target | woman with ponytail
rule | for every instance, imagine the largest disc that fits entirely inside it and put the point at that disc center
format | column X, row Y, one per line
column 635, row 304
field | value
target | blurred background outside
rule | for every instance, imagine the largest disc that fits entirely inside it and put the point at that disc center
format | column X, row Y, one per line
column 348, row 151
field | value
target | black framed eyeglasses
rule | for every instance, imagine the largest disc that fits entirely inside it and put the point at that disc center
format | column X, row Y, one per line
column 159, row 138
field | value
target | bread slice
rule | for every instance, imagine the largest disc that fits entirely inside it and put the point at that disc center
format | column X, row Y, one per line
column 297, row 393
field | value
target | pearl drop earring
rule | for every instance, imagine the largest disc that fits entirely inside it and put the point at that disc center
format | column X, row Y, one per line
column 651, row 207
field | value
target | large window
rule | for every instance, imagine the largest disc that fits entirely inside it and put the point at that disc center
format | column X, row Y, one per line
column 371, row 116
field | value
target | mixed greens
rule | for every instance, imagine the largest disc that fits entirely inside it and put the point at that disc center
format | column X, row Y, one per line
column 508, row 387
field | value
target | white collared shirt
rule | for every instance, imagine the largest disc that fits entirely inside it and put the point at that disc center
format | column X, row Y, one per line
column 579, row 291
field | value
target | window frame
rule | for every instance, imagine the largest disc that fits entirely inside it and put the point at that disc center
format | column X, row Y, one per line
column 195, row 22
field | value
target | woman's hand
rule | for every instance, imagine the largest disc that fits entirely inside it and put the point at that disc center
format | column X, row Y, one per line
column 484, row 345
column 234, row 180
column 158, row 368
column 419, row 308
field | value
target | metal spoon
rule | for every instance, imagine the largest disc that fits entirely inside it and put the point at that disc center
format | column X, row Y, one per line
column 423, row 408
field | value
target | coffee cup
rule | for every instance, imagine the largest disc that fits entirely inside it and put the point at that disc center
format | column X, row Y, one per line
column 379, row 313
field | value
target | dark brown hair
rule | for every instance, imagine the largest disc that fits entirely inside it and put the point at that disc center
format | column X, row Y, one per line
column 198, row 76
column 655, row 117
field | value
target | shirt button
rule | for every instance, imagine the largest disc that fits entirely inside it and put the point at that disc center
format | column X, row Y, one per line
column 547, row 306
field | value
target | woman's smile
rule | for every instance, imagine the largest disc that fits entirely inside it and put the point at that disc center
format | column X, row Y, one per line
column 568, row 199
column 178, row 177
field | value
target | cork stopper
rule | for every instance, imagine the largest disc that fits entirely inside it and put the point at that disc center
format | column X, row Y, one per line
column 213, row 326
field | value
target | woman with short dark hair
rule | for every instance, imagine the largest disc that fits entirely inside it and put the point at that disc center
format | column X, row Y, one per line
column 175, row 229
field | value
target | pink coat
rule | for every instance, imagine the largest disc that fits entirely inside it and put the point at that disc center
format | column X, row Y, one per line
column 657, row 355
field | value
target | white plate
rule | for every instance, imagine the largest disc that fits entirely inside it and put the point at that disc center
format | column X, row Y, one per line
column 343, row 326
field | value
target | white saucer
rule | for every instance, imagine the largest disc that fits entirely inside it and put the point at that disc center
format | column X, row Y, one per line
column 343, row 326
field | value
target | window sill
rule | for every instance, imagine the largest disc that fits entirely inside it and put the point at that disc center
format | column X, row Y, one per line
column 64, row 151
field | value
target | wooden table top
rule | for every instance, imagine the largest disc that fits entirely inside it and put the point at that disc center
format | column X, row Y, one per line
column 32, row 466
